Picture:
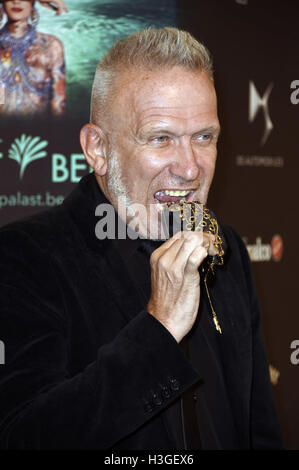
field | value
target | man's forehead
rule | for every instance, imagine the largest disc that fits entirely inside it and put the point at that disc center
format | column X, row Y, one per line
column 139, row 79
column 174, row 92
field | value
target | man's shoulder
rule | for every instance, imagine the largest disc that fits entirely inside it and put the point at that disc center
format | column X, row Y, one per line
column 65, row 230
column 42, row 230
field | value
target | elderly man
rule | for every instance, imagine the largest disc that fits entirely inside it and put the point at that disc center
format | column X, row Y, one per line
column 107, row 348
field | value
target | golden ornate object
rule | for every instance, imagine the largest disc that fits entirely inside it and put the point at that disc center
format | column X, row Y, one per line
column 274, row 374
column 197, row 217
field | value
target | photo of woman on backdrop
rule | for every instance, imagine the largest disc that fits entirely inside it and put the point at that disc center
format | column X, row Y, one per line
column 32, row 64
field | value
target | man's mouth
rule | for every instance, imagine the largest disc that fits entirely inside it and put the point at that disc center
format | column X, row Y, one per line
column 173, row 195
column 17, row 10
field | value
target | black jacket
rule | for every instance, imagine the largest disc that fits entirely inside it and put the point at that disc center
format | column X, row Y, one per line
column 87, row 367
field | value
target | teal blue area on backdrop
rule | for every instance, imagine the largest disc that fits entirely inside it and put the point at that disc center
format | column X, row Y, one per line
column 89, row 30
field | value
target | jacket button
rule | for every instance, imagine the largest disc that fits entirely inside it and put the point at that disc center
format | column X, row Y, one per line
column 174, row 384
column 195, row 397
column 165, row 392
column 148, row 407
column 156, row 399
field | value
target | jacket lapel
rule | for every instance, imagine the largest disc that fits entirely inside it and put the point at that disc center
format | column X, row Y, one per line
column 81, row 204
column 127, row 298
column 222, row 353
column 226, row 346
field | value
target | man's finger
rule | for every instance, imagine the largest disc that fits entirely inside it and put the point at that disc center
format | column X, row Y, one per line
column 179, row 248
column 189, row 245
column 195, row 259
column 208, row 243
column 167, row 257
column 168, row 248
column 167, row 244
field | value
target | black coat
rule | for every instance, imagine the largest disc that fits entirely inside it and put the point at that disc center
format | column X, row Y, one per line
column 87, row 367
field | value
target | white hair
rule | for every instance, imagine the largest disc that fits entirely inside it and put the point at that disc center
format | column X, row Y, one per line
column 153, row 49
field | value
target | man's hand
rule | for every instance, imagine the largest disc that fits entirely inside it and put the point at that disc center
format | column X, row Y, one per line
column 60, row 5
column 175, row 280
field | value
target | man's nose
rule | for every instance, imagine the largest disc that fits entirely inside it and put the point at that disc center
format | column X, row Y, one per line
column 185, row 162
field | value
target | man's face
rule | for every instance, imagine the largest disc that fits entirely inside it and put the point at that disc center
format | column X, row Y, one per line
column 164, row 130
column 17, row 10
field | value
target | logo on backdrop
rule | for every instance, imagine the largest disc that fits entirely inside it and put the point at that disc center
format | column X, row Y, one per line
column 260, row 251
column 25, row 150
column 260, row 103
column 257, row 102
column 276, row 247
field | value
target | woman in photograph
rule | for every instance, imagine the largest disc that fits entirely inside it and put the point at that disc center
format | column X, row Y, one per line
column 32, row 65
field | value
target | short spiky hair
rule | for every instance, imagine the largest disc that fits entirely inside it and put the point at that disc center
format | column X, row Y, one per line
column 153, row 49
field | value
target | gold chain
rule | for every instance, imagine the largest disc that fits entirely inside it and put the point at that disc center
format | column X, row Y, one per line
column 200, row 218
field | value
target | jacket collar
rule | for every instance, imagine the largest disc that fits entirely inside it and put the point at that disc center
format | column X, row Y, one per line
column 81, row 205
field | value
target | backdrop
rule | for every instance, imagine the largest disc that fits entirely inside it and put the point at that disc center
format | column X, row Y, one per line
column 253, row 43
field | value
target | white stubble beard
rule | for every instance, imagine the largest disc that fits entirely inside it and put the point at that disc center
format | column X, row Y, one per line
column 116, row 182
column 117, row 186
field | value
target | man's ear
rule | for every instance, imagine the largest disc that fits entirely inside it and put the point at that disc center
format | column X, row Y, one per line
column 94, row 146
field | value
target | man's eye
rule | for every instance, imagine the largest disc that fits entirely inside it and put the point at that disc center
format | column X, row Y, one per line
column 161, row 139
column 204, row 137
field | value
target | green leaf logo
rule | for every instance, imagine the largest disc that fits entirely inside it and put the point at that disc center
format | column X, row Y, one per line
column 26, row 149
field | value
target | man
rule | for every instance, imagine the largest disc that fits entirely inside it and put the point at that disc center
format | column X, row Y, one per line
column 106, row 349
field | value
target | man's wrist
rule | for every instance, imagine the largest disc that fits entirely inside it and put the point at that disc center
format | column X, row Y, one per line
column 173, row 331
